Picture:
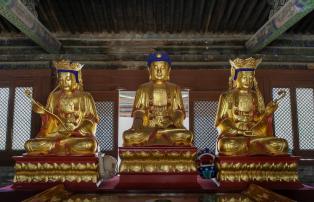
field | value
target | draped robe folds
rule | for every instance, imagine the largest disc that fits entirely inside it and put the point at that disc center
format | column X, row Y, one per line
column 159, row 104
column 75, row 135
column 235, row 115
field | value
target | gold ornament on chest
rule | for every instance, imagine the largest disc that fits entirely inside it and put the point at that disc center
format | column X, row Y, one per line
column 160, row 97
column 245, row 103
column 68, row 105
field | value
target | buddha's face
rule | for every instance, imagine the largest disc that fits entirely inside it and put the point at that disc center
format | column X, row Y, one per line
column 159, row 71
column 67, row 81
column 245, row 80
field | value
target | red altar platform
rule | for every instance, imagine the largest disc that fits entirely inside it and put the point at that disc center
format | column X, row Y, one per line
column 203, row 186
column 31, row 171
column 159, row 181
column 42, row 172
column 267, row 171
column 158, row 167
column 157, row 160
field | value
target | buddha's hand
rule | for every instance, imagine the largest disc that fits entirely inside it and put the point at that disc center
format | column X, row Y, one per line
column 70, row 127
column 138, row 120
column 248, row 133
column 178, row 119
column 86, row 128
column 38, row 108
column 271, row 108
column 137, row 124
column 238, row 132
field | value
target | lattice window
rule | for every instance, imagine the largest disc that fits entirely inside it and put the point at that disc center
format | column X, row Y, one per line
column 4, row 105
column 105, row 127
column 22, row 118
column 305, row 111
column 204, row 124
column 283, row 118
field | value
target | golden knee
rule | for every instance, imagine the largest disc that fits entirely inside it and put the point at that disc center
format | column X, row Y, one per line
column 38, row 146
column 131, row 138
column 232, row 146
column 278, row 146
column 84, row 146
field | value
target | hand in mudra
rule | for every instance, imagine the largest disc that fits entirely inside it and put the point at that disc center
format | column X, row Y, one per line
column 137, row 124
column 178, row 119
column 271, row 108
column 138, row 120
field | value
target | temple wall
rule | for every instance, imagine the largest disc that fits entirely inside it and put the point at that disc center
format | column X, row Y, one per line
column 129, row 51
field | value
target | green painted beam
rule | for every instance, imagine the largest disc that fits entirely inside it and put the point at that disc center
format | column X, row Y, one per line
column 292, row 12
column 16, row 13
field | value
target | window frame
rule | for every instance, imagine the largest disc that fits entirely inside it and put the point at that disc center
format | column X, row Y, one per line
column 294, row 80
column 40, row 81
column 110, row 96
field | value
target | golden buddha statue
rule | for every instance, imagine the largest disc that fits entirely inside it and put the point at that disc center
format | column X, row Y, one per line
column 69, row 119
column 242, row 119
column 158, row 109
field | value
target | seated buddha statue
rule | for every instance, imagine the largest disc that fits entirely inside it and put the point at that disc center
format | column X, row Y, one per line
column 69, row 119
column 158, row 110
column 242, row 119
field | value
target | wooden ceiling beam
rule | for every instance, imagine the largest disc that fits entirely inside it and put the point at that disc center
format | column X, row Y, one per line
column 237, row 14
column 292, row 12
column 15, row 12
column 209, row 16
column 224, row 24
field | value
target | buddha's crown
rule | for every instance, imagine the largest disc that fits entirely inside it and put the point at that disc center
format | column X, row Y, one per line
column 67, row 65
column 245, row 63
column 158, row 56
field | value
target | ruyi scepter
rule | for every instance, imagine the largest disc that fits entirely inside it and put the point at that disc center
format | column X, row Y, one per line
column 281, row 94
column 28, row 94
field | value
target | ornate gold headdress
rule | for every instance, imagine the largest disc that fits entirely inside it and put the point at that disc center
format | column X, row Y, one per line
column 68, row 66
column 238, row 65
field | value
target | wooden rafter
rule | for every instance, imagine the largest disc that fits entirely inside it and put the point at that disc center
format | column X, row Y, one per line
column 16, row 13
column 287, row 16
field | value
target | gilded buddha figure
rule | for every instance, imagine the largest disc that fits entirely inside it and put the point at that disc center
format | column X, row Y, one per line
column 242, row 119
column 69, row 119
column 158, row 110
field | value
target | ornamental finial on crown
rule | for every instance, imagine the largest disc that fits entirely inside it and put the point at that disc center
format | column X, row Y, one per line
column 239, row 63
column 67, row 65
column 243, row 65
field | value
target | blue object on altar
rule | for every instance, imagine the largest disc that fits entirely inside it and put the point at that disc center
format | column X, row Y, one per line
column 206, row 164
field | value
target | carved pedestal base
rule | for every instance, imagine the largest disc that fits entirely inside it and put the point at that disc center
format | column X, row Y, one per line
column 158, row 168
column 158, row 181
column 157, row 160
column 40, row 172
column 268, row 171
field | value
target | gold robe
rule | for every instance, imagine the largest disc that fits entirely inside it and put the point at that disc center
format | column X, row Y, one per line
column 244, row 129
column 76, row 135
column 159, row 105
